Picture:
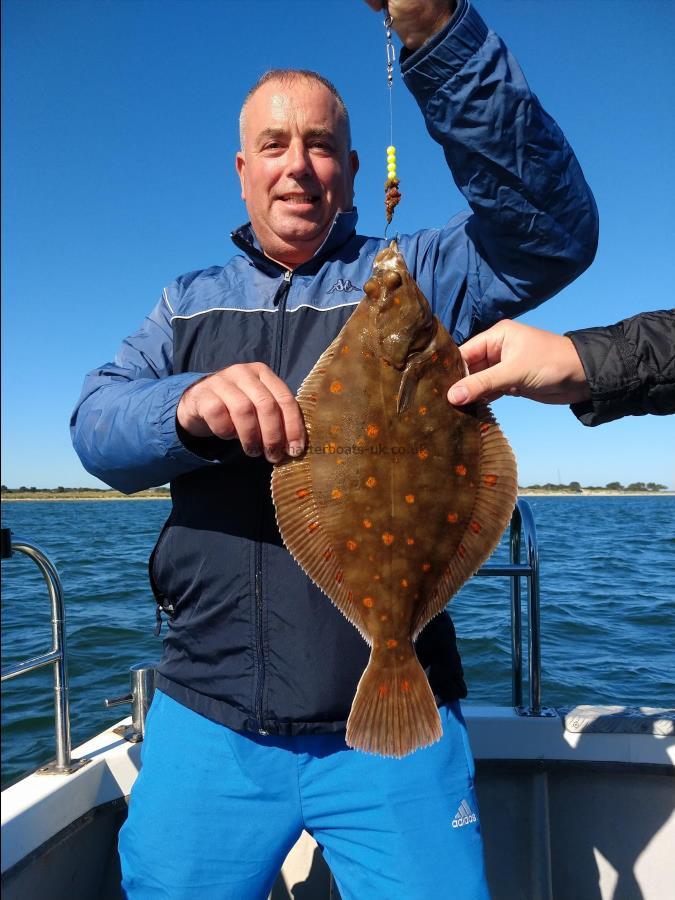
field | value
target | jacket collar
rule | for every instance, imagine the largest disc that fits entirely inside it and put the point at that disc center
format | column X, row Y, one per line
column 343, row 227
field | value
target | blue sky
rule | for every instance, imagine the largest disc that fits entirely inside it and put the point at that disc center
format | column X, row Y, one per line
column 119, row 134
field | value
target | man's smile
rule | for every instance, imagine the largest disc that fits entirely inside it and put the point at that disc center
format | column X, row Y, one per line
column 300, row 199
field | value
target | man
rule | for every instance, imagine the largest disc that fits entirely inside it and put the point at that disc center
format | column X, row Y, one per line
column 604, row 373
column 245, row 740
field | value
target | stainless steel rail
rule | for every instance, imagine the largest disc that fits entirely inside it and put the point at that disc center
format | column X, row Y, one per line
column 522, row 526
column 56, row 657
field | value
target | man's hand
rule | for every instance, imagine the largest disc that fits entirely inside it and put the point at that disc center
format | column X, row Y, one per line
column 415, row 21
column 247, row 401
column 522, row 361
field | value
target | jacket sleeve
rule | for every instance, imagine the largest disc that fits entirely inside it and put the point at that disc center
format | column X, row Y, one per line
column 630, row 368
column 124, row 425
column 533, row 225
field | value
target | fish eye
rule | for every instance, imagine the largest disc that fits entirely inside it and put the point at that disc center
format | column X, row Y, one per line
column 392, row 280
column 371, row 288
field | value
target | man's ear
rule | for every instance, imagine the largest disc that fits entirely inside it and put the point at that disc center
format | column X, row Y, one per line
column 354, row 162
column 240, row 165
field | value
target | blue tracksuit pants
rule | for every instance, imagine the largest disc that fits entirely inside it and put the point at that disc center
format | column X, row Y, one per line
column 214, row 812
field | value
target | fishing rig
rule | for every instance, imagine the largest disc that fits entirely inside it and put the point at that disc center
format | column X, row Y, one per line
column 392, row 194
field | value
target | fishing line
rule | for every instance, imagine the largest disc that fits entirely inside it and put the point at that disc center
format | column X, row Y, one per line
column 392, row 195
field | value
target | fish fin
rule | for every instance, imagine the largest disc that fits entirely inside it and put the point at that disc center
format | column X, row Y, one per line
column 407, row 390
column 300, row 522
column 307, row 540
column 394, row 711
column 415, row 369
column 493, row 507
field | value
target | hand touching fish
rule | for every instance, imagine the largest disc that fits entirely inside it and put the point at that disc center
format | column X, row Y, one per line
column 399, row 497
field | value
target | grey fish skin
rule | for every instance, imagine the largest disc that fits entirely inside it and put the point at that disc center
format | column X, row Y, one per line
column 399, row 497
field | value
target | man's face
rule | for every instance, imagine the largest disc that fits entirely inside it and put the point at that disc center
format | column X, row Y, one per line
column 295, row 168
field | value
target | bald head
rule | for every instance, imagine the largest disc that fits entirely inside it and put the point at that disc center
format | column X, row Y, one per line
column 287, row 78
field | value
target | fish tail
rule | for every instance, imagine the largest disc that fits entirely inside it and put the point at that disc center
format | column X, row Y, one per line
column 394, row 711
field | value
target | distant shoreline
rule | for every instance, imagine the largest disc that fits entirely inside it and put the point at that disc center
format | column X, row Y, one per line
column 43, row 497
column 596, row 493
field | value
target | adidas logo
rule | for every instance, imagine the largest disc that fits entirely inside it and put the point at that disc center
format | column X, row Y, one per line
column 464, row 815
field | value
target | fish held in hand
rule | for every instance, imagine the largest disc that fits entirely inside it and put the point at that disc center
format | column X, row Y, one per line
column 398, row 498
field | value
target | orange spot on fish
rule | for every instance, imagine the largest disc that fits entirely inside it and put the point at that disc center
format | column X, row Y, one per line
column 360, row 442
column 423, row 454
column 405, row 685
column 410, row 541
column 453, row 517
column 329, row 448
column 369, row 602
column 335, row 387
column 328, row 553
column 371, row 482
column 475, row 527
column 462, row 550
column 335, row 429
column 434, row 357
column 345, row 349
column 372, row 430
column 312, row 526
column 404, row 583
column 368, row 354
column 397, row 301
column 409, row 498
column 352, row 545
column 460, row 469
column 383, row 690
column 426, row 567
column 490, row 480
column 388, row 538
column 339, row 462
column 446, row 362
column 384, row 617
column 391, row 643
column 301, row 493
column 484, row 426
column 367, row 523
column 376, row 577
column 336, row 493
column 338, row 575
column 422, row 410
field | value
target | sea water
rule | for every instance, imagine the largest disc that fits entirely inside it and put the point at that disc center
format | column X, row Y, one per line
column 607, row 611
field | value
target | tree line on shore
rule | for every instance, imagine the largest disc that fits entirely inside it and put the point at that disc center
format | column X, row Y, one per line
column 89, row 491
column 574, row 487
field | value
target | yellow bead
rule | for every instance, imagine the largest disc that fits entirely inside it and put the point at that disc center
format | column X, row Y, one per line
column 391, row 158
column 391, row 149
column 391, row 171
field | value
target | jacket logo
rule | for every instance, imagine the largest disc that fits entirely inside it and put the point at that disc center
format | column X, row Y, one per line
column 343, row 285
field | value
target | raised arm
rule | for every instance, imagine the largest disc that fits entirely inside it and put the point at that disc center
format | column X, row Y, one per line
column 533, row 226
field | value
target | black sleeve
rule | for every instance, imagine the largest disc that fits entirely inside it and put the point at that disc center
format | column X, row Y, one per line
column 630, row 368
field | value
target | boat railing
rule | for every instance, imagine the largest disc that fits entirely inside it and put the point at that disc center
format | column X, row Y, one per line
column 56, row 657
column 523, row 530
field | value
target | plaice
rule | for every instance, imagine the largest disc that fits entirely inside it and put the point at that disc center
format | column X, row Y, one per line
column 398, row 498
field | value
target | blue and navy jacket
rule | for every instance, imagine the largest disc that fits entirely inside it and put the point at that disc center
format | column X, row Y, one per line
column 252, row 643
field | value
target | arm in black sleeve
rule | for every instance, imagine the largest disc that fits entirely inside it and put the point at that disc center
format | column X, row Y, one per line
column 630, row 368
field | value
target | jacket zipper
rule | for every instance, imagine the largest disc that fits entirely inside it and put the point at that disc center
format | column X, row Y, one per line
column 280, row 299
